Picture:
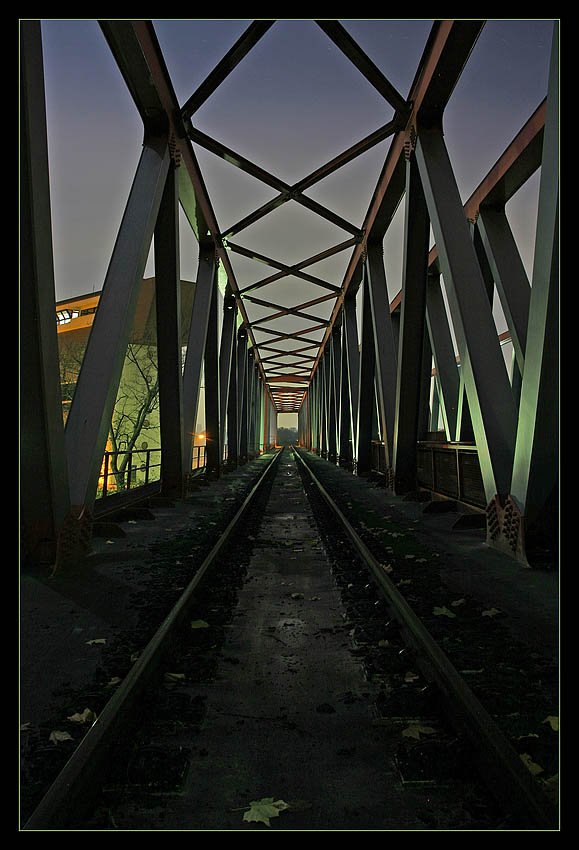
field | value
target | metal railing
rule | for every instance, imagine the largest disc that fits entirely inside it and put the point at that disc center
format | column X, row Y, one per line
column 451, row 469
column 142, row 467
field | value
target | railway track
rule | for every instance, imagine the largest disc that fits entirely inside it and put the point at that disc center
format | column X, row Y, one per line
column 271, row 676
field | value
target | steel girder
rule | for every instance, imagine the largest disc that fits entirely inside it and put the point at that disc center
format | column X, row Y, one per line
column 205, row 286
column 168, row 308
column 91, row 411
column 408, row 386
column 44, row 494
column 416, row 127
column 535, row 469
column 475, row 244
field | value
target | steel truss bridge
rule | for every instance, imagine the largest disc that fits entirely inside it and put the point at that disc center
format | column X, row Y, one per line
column 507, row 430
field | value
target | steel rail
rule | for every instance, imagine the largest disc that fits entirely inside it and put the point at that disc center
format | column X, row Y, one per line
column 70, row 795
column 508, row 777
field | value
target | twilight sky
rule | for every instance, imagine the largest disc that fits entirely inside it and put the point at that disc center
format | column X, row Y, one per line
column 292, row 104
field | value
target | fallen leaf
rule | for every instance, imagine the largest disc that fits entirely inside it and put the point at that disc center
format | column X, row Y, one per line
column 530, row 764
column 384, row 642
column 421, row 560
column 551, row 787
column 135, row 656
column 410, row 677
column 55, row 737
column 24, row 727
column 297, row 596
column 458, row 602
column 409, row 556
column 473, row 671
column 491, row 612
column 443, row 612
column 87, row 716
column 404, row 581
column 114, row 681
column 415, row 730
column 314, row 598
column 110, row 541
column 260, row 811
column 174, row 677
column 97, row 640
column 199, row 624
column 387, row 568
column 553, row 722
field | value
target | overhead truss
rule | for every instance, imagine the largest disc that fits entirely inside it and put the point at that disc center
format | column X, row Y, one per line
column 349, row 392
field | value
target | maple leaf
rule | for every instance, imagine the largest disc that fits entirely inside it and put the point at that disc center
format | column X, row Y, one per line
column 443, row 612
column 415, row 730
column 174, row 677
column 260, row 811
column 87, row 716
column 56, row 736
column 530, row 764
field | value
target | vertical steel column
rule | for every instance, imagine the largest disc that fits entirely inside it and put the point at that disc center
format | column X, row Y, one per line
column 366, row 396
column 251, row 404
column 435, row 412
column 386, row 354
column 168, row 310
column 425, row 379
column 353, row 366
column 324, row 388
column 206, row 283
column 412, row 331
column 344, row 424
column 447, row 378
column 243, row 391
column 489, row 394
column 509, row 274
column 213, row 449
column 254, row 411
column 314, row 411
column 233, row 404
column 309, row 418
column 264, row 415
column 334, row 385
column 225, row 359
column 44, row 495
column 535, row 469
column 92, row 407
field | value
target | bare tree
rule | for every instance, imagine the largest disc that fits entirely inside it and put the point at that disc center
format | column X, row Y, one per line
column 137, row 399
column 135, row 405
